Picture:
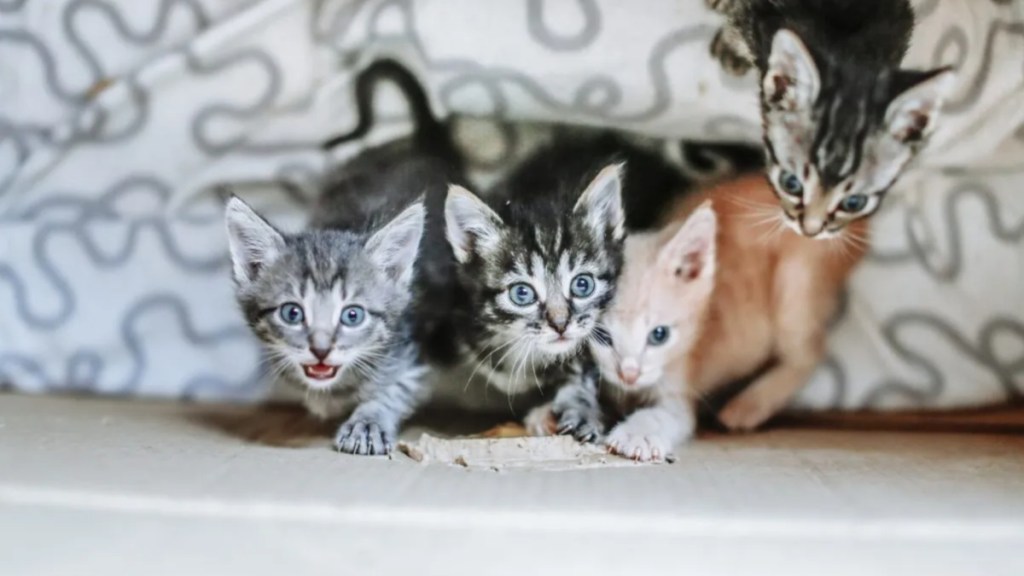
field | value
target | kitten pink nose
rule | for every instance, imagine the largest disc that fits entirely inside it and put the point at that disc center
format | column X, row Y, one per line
column 811, row 225
column 320, row 353
column 558, row 321
column 629, row 372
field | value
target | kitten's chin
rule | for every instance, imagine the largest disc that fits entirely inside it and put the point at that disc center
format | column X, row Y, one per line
column 559, row 349
column 825, row 233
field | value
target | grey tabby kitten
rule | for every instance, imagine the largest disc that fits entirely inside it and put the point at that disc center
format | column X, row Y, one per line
column 331, row 307
column 841, row 119
column 336, row 305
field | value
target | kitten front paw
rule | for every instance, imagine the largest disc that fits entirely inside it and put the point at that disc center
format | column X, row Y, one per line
column 580, row 425
column 746, row 411
column 640, row 445
column 732, row 56
column 364, row 438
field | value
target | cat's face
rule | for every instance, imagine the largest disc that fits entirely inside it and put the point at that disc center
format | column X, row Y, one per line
column 835, row 148
column 660, row 303
column 324, row 303
column 539, row 287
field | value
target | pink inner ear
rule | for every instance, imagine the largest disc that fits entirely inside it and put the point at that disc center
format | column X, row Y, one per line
column 780, row 85
column 693, row 263
column 914, row 130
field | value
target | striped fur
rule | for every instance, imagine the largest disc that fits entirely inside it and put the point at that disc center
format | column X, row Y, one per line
column 841, row 119
column 546, row 238
column 363, row 249
column 327, row 272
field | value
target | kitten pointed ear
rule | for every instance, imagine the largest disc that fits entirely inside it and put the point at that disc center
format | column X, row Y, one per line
column 470, row 225
column 601, row 203
column 913, row 113
column 394, row 247
column 253, row 242
column 690, row 254
column 791, row 81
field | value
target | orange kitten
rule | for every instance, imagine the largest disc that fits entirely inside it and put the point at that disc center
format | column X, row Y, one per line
column 711, row 299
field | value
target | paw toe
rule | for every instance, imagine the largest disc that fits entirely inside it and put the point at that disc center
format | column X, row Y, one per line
column 363, row 438
column 637, row 447
column 575, row 424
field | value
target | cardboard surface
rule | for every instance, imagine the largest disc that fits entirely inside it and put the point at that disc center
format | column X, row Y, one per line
column 90, row 486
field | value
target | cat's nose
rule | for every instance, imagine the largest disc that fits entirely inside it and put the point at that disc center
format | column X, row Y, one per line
column 558, row 321
column 811, row 225
column 629, row 372
column 320, row 353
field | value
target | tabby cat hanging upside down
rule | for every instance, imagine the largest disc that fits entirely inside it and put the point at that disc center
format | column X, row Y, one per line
column 709, row 300
column 841, row 119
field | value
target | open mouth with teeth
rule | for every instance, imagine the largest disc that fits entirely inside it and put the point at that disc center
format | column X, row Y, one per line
column 320, row 371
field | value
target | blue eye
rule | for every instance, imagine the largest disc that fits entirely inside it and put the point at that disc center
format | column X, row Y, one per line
column 291, row 314
column 658, row 336
column 583, row 285
column 353, row 316
column 854, row 203
column 522, row 294
column 791, row 184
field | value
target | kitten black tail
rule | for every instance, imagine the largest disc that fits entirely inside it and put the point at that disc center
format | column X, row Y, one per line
column 437, row 289
column 429, row 134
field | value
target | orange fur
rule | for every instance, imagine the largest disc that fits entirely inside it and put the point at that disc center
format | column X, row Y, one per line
column 773, row 296
column 735, row 290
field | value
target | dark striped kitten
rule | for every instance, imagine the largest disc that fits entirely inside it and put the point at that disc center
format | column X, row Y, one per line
column 841, row 119
column 539, row 262
column 539, row 271
column 335, row 306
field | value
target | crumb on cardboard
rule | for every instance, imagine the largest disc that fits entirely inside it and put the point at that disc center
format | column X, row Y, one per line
column 505, row 453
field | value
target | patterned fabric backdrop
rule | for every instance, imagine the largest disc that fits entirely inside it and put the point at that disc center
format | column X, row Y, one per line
column 120, row 120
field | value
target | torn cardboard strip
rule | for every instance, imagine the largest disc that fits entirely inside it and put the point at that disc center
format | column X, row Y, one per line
column 510, row 453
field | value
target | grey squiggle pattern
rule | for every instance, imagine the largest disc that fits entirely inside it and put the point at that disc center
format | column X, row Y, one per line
column 559, row 43
column 924, row 250
column 92, row 121
column 337, row 25
column 171, row 303
column 925, row 8
column 838, row 379
column 66, row 296
column 11, row 133
column 495, row 75
column 238, row 112
column 95, row 179
column 305, row 105
column 11, row 6
column 46, row 58
column 982, row 352
column 100, row 207
column 12, row 365
column 114, row 17
column 956, row 37
column 661, row 97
